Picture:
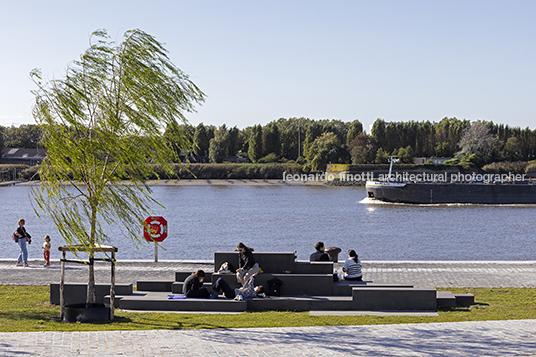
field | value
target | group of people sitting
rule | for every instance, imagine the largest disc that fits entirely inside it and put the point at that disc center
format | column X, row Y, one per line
column 248, row 268
column 351, row 269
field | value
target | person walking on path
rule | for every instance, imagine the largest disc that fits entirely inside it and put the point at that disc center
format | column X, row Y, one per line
column 23, row 238
column 247, row 266
column 352, row 267
column 46, row 250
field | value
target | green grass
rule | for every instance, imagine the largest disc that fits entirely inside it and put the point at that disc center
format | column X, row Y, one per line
column 26, row 308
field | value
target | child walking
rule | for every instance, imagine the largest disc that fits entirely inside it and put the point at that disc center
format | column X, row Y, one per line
column 46, row 251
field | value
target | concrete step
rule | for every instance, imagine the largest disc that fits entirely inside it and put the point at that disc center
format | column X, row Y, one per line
column 303, row 267
column 395, row 299
column 270, row 262
column 176, row 287
column 154, row 285
column 158, row 301
column 293, row 284
column 465, row 299
column 344, row 287
column 445, row 299
column 76, row 293
column 301, row 303
column 180, row 276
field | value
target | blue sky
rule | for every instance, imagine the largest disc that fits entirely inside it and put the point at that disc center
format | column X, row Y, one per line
column 258, row 61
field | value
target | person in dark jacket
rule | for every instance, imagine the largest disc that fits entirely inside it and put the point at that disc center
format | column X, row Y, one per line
column 193, row 286
column 247, row 266
column 23, row 238
column 319, row 255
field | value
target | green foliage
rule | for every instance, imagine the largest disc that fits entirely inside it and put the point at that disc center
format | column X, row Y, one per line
column 2, row 131
column 362, row 149
column 518, row 167
column 27, row 136
column 405, row 155
column 355, row 129
column 382, row 157
column 451, row 162
column 272, row 157
column 442, row 149
column 530, row 168
column 103, row 122
column 323, row 151
column 255, row 148
column 271, row 139
column 201, row 141
column 219, row 145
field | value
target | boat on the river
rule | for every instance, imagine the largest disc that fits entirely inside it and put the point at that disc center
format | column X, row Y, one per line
column 469, row 189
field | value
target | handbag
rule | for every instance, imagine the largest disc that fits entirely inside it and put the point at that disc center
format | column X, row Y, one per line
column 15, row 237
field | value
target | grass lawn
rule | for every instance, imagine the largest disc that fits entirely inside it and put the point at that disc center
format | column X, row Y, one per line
column 26, row 308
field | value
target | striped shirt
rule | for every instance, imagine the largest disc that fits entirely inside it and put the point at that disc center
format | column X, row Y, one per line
column 352, row 269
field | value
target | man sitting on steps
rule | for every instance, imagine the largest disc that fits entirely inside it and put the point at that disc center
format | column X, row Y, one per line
column 319, row 255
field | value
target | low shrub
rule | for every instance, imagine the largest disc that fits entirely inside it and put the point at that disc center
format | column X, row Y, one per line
column 505, row 167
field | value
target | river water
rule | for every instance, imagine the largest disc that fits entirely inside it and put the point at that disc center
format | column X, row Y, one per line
column 204, row 219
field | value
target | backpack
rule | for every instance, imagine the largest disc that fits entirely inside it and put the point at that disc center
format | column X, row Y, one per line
column 274, row 287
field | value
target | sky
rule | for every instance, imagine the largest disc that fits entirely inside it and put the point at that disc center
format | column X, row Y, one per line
column 258, row 61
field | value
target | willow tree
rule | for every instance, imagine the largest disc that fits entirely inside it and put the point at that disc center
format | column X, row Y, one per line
column 103, row 123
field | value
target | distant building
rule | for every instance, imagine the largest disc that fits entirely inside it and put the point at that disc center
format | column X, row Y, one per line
column 435, row 160
column 18, row 156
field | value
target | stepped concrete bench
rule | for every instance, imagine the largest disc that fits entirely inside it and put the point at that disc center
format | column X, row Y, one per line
column 76, row 293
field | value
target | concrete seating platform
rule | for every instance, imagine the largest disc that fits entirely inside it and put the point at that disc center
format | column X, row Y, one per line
column 76, row 293
column 306, row 286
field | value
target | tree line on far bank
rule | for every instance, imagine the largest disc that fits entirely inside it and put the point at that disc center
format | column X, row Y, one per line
column 315, row 143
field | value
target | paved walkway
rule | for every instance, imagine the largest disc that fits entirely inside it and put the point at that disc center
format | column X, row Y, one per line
column 420, row 274
column 489, row 338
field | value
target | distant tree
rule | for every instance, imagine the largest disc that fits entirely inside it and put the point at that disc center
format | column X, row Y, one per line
column 255, row 143
column 201, row 141
column 25, row 136
column 176, row 138
column 271, row 139
column 235, row 141
column 477, row 140
column 381, row 157
column 355, row 129
column 324, row 150
column 362, row 149
column 312, row 131
column 405, row 155
column 442, row 149
column 512, row 150
column 219, row 145
column 102, row 123
column 378, row 132
column 2, row 131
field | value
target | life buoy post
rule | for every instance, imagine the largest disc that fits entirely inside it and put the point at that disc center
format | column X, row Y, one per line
column 155, row 230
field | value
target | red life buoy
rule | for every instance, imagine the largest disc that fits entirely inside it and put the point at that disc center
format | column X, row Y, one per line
column 155, row 229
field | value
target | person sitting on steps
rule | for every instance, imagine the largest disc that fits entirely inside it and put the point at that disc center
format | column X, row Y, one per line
column 319, row 255
column 247, row 266
column 193, row 286
column 249, row 291
column 352, row 267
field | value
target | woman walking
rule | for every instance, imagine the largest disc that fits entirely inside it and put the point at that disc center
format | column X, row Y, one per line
column 23, row 238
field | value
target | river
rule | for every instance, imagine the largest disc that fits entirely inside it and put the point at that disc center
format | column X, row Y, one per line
column 207, row 218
